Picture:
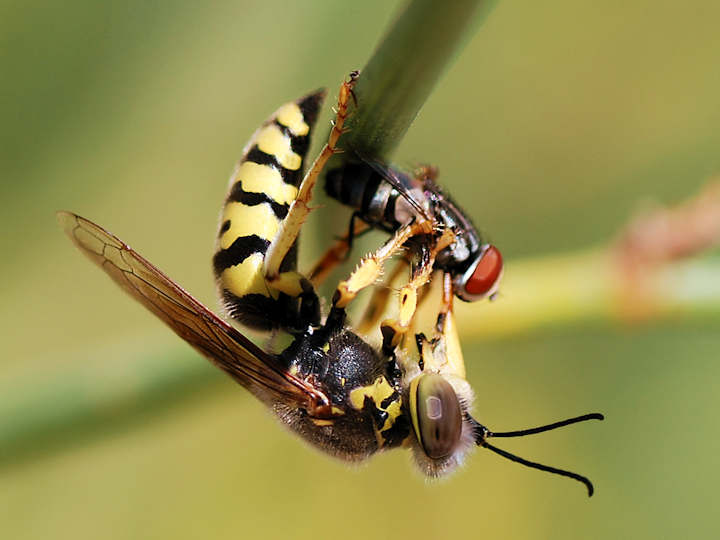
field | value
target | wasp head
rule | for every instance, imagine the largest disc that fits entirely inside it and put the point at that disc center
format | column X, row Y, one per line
column 439, row 419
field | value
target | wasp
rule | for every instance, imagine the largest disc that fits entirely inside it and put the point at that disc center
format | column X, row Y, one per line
column 329, row 385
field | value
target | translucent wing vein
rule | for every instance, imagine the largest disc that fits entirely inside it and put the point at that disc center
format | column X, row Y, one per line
column 215, row 339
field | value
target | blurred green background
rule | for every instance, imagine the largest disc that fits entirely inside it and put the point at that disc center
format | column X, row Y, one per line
column 555, row 122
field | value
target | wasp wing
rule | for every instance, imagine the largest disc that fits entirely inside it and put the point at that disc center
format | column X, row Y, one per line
column 256, row 370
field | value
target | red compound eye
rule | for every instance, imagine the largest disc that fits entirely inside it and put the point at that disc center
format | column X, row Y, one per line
column 486, row 274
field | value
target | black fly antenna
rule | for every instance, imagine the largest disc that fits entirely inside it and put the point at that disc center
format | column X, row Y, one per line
column 482, row 434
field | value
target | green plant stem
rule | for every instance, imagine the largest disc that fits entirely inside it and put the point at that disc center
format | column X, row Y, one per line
column 405, row 68
column 558, row 290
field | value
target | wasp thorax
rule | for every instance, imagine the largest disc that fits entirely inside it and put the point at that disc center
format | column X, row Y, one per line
column 437, row 417
column 483, row 280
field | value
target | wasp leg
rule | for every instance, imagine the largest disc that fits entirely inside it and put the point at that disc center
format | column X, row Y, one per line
column 289, row 229
column 393, row 329
column 337, row 253
column 371, row 266
column 378, row 304
column 426, row 350
column 447, row 303
column 451, row 358
column 354, row 231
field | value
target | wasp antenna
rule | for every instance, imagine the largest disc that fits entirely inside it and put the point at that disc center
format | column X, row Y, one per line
column 540, row 466
column 482, row 434
column 548, row 427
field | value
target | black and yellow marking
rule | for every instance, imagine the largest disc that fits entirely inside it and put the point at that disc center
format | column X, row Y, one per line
column 262, row 187
column 384, row 403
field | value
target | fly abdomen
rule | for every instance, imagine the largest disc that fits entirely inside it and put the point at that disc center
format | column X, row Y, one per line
column 360, row 187
column 352, row 185
column 262, row 187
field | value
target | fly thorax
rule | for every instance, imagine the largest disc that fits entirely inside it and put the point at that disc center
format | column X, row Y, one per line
column 404, row 210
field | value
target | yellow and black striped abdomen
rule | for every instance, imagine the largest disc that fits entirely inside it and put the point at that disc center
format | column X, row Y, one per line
column 262, row 186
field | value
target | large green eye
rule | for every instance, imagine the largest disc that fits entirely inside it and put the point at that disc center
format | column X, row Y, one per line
column 437, row 418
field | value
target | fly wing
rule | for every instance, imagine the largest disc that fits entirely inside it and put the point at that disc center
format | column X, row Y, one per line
column 222, row 344
column 401, row 181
